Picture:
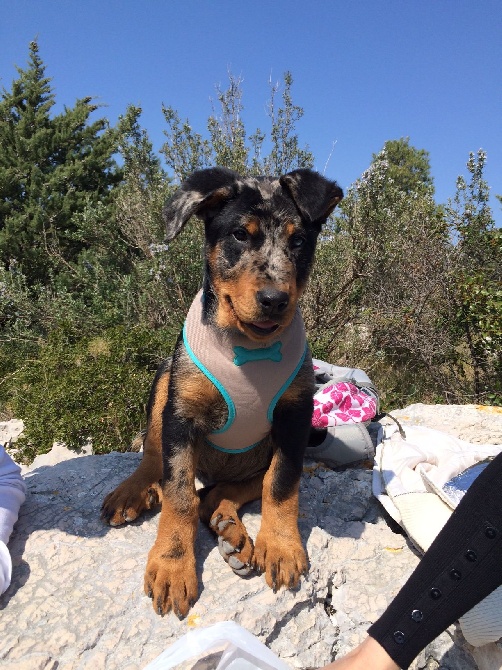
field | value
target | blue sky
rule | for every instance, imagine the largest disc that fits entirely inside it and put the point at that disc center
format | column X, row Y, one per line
column 364, row 71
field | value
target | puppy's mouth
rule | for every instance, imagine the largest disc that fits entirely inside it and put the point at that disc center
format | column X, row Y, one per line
column 260, row 329
column 263, row 328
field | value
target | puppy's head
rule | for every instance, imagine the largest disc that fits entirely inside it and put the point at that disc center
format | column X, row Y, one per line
column 261, row 234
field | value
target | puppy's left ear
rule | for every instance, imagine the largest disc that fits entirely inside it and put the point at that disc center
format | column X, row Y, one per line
column 314, row 196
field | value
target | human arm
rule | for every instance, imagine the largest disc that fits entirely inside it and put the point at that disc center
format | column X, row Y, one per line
column 368, row 654
column 12, row 495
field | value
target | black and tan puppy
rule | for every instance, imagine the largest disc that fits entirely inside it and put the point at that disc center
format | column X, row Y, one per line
column 234, row 408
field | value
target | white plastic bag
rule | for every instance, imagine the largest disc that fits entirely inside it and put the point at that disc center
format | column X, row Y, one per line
column 241, row 650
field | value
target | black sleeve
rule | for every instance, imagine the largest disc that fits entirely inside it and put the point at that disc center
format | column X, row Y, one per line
column 462, row 566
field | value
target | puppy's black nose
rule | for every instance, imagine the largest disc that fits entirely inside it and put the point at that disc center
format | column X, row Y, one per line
column 272, row 301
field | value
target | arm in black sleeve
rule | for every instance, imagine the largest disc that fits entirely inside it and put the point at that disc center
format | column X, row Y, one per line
column 462, row 566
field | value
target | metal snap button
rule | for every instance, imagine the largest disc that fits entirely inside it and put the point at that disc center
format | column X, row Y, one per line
column 417, row 615
column 455, row 574
column 471, row 555
column 399, row 637
column 490, row 532
column 435, row 593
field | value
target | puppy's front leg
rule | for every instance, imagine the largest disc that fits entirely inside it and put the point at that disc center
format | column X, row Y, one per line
column 278, row 549
column 170, row 578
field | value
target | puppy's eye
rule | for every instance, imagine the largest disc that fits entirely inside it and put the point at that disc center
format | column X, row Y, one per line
column 241, row 234
column 297, row 241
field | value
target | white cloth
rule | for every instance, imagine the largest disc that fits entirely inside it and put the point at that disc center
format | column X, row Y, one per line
column 408, row 479
column 12, row 496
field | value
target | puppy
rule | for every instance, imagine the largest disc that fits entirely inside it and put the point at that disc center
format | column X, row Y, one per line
column 234, row 406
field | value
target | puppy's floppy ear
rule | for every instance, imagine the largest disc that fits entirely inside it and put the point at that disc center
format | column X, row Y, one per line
column 203, row 193
column 314, row 196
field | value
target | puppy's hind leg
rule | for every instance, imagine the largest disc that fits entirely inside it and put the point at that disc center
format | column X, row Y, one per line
column 219, row 507
column 142, row 491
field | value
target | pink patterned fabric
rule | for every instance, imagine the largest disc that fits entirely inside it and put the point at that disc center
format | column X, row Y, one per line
column 341, row 403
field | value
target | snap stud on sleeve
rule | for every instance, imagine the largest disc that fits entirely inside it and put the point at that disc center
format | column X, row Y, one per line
column 399, row 637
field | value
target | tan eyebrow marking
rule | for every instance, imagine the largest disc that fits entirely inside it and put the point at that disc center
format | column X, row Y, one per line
column 252, row 226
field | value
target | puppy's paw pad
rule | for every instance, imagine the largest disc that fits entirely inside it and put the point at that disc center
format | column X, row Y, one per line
column 233, row 542
column 218, row 523
column 231, row 556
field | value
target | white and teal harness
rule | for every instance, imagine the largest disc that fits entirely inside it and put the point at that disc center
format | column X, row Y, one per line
column 250, row 377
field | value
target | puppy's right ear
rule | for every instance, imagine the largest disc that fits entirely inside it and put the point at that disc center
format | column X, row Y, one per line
column 202, row 194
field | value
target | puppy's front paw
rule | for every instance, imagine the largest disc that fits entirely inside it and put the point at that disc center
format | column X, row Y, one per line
column 129, row 500
column 282, row 559
column 171, row 580
column 234, row 543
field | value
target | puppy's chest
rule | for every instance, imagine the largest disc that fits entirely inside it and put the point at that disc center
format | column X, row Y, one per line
column 250, row 378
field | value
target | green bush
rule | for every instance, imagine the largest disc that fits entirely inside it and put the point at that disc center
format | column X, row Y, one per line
column 90, row 388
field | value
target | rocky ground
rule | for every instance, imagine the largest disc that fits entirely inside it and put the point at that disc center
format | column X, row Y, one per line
column 76, row 600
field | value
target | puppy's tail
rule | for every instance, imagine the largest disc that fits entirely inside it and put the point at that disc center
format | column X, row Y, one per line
column 137, row 443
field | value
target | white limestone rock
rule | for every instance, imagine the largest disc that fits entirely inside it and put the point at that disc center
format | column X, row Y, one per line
column 76, row 600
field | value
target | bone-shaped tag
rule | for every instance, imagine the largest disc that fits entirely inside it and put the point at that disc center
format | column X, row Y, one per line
column 271, row 353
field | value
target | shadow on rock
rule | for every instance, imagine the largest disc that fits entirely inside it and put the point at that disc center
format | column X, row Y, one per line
column 22, row 571
column 65, row 499
column 68, row 495
column 338, row 502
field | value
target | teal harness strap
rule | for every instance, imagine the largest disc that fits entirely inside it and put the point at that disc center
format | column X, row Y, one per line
column 216, row 382
column 286, row 385
column 231, row 451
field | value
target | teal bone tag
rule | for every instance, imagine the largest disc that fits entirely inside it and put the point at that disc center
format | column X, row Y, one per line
column 272, row 353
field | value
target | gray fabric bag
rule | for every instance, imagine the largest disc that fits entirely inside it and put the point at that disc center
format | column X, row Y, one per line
column 345, row 444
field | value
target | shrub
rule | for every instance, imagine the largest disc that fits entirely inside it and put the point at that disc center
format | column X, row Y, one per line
column 92, row 388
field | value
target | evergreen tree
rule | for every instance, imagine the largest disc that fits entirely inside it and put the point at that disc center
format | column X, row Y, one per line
column 52, row 168
column 390, row 208
column 408, row 167
column 285, row 154
column 141, row 197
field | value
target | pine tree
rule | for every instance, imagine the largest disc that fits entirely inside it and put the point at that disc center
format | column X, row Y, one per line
column 408, row 167
column 52, row 168
column 142, row 195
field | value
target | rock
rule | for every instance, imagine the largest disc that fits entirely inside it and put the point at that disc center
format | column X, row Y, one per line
column 76, row 600
column 472, row 423
column 10, row 431
column 57, row 454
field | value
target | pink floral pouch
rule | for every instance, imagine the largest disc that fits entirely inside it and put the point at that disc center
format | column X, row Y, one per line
column 340, row 403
